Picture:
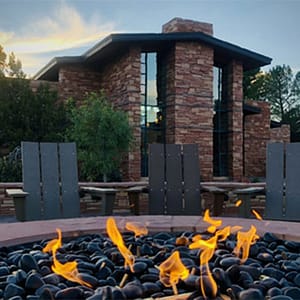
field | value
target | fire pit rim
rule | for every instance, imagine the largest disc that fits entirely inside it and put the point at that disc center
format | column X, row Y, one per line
column 25, row 232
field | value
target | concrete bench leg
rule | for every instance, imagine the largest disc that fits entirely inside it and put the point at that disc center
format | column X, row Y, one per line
column 218, row 202
column 245, row 207
column 134, row 202
column 20, row 203
column 108, row 201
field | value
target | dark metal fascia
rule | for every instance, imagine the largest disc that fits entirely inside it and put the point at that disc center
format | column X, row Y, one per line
column 52, row 65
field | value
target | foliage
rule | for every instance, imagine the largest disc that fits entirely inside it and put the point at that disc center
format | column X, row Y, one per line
column 102, row 134
column 25, row 115
column 12, row 67
column 11, row 167
column 254, row 85
column 281, row 89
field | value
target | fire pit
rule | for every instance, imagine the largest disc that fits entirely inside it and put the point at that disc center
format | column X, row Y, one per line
column 258, row 276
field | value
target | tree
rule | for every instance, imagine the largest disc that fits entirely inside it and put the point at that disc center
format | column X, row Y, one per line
column 25, row 115
column 254, row 84
column 282, row 91
column 12, row 67
column 102, row 134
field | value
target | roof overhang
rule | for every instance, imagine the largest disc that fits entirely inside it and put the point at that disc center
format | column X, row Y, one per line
column 115, row 44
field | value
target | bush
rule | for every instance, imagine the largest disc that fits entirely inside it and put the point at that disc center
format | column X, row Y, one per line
column 11, row 167
column 102, row 134
column 29, row 116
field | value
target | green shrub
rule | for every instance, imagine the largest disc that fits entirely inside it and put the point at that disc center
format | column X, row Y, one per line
column 29, row 116
column 11, row 167
column 102, row 135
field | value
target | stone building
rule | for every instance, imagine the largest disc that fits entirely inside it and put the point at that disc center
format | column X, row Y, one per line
column 179, row 86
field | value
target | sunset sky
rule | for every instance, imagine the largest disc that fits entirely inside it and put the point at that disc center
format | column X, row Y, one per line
column 38, row 30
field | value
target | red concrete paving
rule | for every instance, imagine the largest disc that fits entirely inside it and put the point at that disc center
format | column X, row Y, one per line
column 22, row 232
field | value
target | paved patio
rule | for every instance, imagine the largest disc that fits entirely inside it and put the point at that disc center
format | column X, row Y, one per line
column 12, row 233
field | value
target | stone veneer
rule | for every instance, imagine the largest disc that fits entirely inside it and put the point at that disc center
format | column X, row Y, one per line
column 256, row 136
column 280, row 134
column 235, row 119
column 189, row 101
column 77, row 82
column 257, row 133
column 186, row 25
column 121, row 83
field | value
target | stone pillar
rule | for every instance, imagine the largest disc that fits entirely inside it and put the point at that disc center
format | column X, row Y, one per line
column 185, row 25
column 235, row 119
column 189, row 97
column 121, row 83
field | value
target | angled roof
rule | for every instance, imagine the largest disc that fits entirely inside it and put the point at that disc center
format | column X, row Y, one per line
column 117, row 43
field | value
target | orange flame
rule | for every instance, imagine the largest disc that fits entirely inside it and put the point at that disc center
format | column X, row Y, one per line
column 137, row 228
column 116, row 237
column 171, row 270
column 208, row 249
column 214, row 223
column 67, row 270
column 234, row 229
column 257, row 215
column 244, row 241
column 238, row 203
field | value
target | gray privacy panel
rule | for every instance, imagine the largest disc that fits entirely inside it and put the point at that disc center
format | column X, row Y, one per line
column 50, row 180
column 31, row 180
column 274, row 181
column 191, row 179
column 292, row 199
column 156, row 179
column 174, row 199
column 69, row 180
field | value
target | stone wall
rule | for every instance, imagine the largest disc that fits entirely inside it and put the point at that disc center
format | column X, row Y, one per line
column 189, row 93
column 121, row 84
column 185, row 25
column 256, row 136
column 234, row 72
column 280, row 134
column 77, row 82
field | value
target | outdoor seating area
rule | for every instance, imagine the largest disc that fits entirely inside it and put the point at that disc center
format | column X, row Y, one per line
column 51, row 189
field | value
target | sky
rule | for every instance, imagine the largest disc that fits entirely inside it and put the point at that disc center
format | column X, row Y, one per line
column 38, row 30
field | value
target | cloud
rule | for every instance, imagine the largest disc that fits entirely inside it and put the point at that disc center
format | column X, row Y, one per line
column 64, row 29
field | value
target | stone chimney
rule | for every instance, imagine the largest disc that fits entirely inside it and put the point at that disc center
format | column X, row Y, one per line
column 185, row 25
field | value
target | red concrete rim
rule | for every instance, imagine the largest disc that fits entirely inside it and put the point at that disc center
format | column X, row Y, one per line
column 24, row 232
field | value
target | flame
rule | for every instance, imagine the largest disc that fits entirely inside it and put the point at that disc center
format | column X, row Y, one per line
column 214, row 223
column 137, row 228
column 238, row 203
column 235, row 228
column 244, row 241
column 67, row 270
column 257, row 215
column 171, row 270
column 116, row 237
column 208, row 249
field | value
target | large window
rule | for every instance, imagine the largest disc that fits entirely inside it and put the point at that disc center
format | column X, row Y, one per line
column 151, row 113
column 220, row 162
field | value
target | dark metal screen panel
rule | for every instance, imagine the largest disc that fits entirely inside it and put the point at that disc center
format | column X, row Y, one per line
column 31, row 179
column 69, row 180
column 274, row 180
column 50, row 180
column 156, row 179
column 191, row 179
column 174, row 197
column 292, row 197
